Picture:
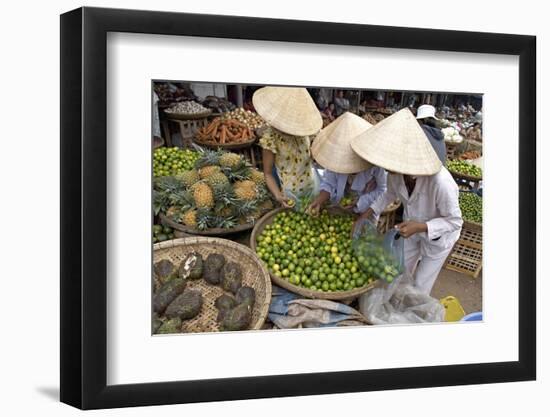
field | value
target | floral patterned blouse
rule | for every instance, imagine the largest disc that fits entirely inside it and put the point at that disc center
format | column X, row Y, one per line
column 292, row 160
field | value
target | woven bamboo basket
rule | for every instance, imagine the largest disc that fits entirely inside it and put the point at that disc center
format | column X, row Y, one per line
column 467, row 254
column 460, row 176
column 281, row 282
column 208, row 232
column 226, row 146
column 188, row 116
column 255, row 275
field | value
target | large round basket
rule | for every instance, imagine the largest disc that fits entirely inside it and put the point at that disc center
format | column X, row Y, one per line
column 187, row 116
column 255, row 275
column 227, row 146
column 208, row 232
column 465, row 177
column 281, row 282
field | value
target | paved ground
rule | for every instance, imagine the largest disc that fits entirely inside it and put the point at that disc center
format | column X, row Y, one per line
column 468, row 290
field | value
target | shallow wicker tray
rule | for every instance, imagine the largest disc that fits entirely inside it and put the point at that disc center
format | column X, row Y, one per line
column 187, row 116
column 240, row 145
column 464, row 176
column 335, row 295
column 255, row 275
column 208, row 232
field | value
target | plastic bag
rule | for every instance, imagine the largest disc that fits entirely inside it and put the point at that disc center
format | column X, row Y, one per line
column 399, row 303
column 379, row 256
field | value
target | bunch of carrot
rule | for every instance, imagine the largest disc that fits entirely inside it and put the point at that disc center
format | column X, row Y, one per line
column 225, row 132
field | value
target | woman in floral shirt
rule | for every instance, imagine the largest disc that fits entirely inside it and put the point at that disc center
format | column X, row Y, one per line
column 292, row 118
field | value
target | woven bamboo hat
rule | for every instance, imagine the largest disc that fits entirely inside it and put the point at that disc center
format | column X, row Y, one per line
column 332, row 148
column 288, row 109
column 398, row 144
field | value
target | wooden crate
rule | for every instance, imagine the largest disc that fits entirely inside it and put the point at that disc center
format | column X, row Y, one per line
column 188, row 128
column 387, row 219
column 467, row 254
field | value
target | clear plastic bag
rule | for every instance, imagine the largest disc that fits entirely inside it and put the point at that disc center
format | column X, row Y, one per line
column 400, row 303
column 379, row 256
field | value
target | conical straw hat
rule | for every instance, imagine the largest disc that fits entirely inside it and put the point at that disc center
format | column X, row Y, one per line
column 398, row 144
column 332, row 148
column 288, row 109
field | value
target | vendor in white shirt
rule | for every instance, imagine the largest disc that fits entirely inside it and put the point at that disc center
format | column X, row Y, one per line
column 432, row 217
column 345, row 172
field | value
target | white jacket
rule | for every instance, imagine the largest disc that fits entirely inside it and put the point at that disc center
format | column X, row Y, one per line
column 434, row 201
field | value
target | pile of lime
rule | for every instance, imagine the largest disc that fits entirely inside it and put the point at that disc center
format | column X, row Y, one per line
column 465, row 168
column 162, row 233
column 471, row 206
column 312, row 252
column 173, row 161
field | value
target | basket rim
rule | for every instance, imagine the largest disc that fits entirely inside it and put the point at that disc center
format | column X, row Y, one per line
column 464, row 176
column 241, row 145
column 187, row 116
column 205, row 240
column 208, row 232
column 335, row 295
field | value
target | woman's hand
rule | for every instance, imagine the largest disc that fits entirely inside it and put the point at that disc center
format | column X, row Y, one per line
column 315, row 207
column 284, row 201
column 409, row 228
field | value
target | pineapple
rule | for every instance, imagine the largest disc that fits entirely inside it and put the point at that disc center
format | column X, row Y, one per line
column 217, row 180
column 257, row 176
column 226, row 212
column 173, row 213
column 188, row 178
column 189, row 218
column 203, row 195
column 230, row 160
column 266, row 205
column 246, row 190
column 208, row 171
column 208, row 157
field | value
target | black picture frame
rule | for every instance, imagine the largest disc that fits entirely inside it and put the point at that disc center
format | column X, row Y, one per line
column 84, row 207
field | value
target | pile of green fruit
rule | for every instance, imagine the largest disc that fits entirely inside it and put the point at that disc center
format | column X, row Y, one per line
column 312, row 252
column 347, row 200
column 162, row 233
column 471, row 206
column 373, row 257
column 220, row 190
column 173, row 161
column 465, row 168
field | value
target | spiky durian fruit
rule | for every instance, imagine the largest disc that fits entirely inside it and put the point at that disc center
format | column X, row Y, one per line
column 257, row 176
column 208, row 171
column 230, row 160
column 188, row 178
column 245, row 190
column 189, row 218
column 203, row 195
column 216, row 180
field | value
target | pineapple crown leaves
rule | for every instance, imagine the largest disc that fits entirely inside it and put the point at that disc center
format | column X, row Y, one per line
column 168, row 184
column 161, row 201
column 238, row 173
column 182, row 199
column 208, row 157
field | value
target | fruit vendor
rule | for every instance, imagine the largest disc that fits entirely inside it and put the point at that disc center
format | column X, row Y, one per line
column 345, row 172
column 292, row 119
column 431, row 219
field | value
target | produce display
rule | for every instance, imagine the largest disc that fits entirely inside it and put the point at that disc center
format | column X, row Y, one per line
column 450, row 134
column 247, row 117
column 187, row 107
column 173, row 302
column 470, row 155
column 471, row 206
column 172, row 93
column 218, row 104
column 162, row 233
column 373, row 118
column 312, row 252
column 225, row 131
column 173, row 161
column 465, row 168
column 221, row 191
